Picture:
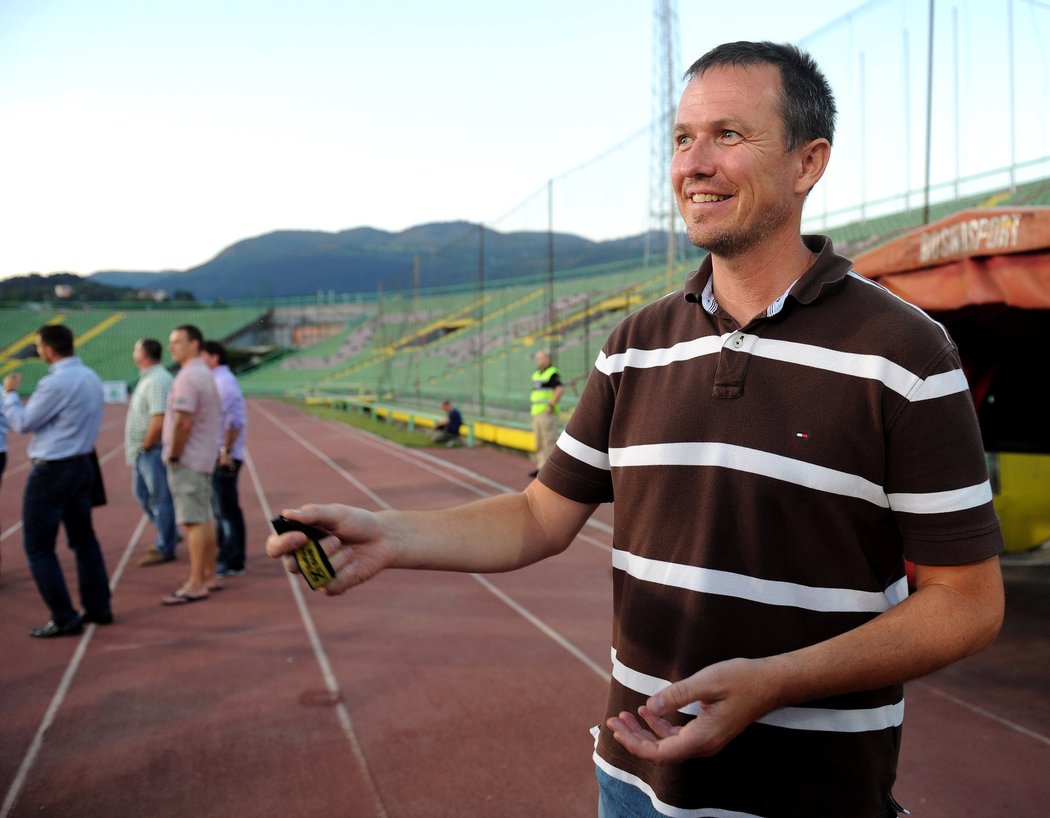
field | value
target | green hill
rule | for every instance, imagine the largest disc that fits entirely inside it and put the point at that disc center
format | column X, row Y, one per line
column 301, row 262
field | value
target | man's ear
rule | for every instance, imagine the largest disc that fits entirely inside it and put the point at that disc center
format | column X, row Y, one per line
column 813, row 161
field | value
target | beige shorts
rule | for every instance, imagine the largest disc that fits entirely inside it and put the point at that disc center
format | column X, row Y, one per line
column 191, row 494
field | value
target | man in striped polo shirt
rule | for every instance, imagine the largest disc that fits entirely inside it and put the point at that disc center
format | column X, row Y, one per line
column 781, row 433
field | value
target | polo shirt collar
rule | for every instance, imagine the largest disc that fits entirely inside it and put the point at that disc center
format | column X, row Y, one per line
column 827, row 269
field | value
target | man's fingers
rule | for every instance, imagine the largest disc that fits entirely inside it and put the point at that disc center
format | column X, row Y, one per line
column 659, row 725
column 278, row 545
column 628, row 730
column 672, row 697
column 643, row 742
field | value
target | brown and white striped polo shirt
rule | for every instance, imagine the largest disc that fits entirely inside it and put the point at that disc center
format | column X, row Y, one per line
column 769, row 481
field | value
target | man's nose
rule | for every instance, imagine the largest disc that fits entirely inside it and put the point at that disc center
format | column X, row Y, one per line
column 697, row 160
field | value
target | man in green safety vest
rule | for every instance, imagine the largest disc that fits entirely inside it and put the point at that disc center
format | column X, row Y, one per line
column 543, row 401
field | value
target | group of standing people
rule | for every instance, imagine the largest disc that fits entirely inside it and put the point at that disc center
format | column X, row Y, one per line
column 184, row 441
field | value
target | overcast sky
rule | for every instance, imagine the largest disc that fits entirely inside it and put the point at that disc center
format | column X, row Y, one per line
column 148, row 135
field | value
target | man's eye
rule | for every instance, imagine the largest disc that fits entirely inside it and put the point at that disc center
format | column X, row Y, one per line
column 730, row 136
column 681, row 140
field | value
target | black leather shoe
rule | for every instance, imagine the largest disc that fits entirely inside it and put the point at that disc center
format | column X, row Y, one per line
column 51, row 629
column 98, row 618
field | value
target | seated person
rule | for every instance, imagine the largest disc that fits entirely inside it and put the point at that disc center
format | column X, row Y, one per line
column 448, row 430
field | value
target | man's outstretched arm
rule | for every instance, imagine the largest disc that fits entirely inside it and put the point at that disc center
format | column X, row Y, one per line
column 488, row 536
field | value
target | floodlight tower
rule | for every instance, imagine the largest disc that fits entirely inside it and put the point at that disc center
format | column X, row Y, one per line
column 667, row 70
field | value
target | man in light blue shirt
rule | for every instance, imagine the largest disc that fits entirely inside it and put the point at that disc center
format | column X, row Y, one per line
column 64, row 415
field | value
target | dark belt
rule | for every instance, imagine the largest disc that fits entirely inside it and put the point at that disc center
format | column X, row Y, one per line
column 36, row 461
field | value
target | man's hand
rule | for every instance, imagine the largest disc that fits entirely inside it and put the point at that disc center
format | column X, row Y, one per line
column 955, row 612
column 12, row 382
column 357, row 549
column 732, row 695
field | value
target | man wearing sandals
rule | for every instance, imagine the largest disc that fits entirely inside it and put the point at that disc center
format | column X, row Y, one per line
column 190, row 434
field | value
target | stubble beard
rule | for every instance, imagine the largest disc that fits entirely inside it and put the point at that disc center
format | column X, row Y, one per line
column 737, row 238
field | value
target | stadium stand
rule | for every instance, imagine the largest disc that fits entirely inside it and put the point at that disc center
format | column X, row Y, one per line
column 105, row 336
column 412, row 349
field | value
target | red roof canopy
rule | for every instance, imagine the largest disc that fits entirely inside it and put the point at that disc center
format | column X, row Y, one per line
column 987, row 256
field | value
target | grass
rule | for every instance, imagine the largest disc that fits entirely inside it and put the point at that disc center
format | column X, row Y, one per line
column 395, row 432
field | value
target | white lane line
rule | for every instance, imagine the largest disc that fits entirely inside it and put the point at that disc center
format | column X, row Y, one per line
column 409, row 456
column 485, row 583
column 63, row 686
column 442, row 466
column 1012, row 725
column 323, row 457
column 545, row 628
column 331, row 683
column 16, row 527
column 49, row 716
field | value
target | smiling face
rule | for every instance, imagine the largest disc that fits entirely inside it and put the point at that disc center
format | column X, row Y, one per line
column 736, row 184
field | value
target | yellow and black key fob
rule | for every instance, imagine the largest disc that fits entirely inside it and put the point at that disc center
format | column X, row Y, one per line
column 313, row 561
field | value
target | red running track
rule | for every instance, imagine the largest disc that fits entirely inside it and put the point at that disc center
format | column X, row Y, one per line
column 420, row 694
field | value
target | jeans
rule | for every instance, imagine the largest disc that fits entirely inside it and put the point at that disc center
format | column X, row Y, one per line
column 56, row 493
column 617, row 799
column 229, row 520
column 149, row 483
